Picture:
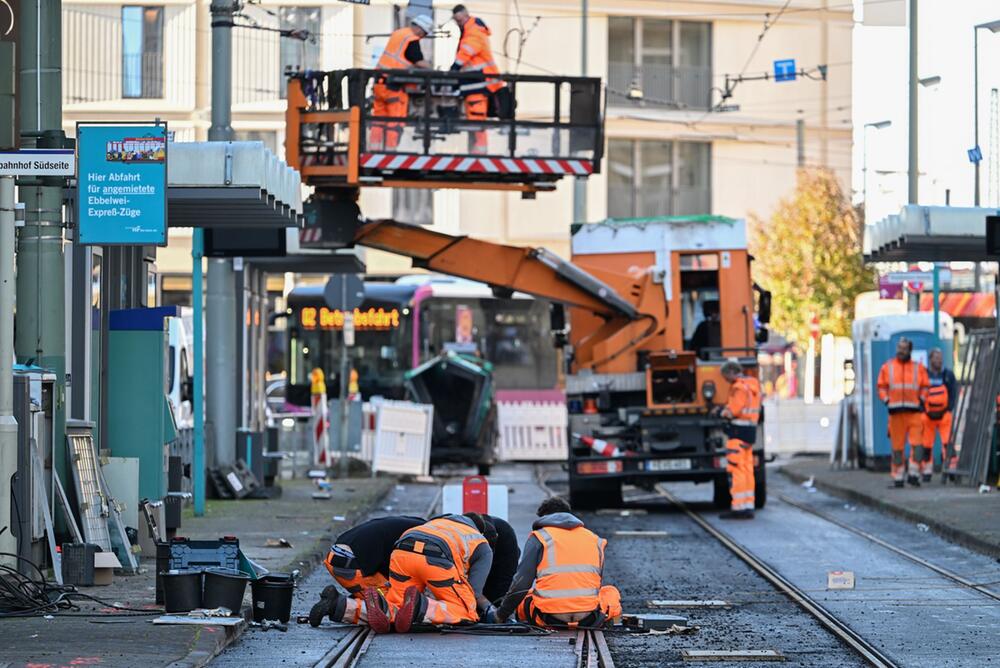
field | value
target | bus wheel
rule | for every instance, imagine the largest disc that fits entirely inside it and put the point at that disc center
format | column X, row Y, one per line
column 483, row 469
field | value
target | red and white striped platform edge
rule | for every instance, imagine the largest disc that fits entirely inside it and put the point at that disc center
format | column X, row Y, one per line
column 483, row 165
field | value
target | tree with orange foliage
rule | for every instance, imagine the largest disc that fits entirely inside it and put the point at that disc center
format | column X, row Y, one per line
column 809, row 256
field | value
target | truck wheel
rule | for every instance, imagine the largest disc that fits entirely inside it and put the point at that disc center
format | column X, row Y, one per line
column 760, row 484
column 720, row 493
column 594, row 494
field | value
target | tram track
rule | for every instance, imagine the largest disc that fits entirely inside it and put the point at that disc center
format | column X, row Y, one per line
column 866, row 650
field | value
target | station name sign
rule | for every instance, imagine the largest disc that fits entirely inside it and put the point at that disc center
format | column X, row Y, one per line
column 38, row 162
column 372, row 319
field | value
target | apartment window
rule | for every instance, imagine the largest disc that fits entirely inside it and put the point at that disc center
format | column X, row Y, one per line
column 658, row 178
column 659, row 63
column 300, row 54
column 142, row 52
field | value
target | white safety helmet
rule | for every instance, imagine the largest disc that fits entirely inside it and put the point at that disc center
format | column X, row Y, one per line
column 423, row 22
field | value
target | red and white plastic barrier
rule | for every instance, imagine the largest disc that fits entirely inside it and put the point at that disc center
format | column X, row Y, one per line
column 320, row 421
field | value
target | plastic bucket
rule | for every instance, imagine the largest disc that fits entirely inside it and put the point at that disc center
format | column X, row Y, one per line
column 181, row 590
column 272, row 597
column 224, row 588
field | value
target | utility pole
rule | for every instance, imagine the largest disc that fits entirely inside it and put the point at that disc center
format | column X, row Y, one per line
column 220, row 330
column 800, row 143
column 40, row 321
column 580, row 183
column 913, row 162
column 8, row 425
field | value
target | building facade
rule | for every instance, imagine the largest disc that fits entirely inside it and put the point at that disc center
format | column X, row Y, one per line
column 670, row 150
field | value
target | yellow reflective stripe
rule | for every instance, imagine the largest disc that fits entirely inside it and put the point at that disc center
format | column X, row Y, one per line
column 565, row 593
column 570, row 568
column 743, row 423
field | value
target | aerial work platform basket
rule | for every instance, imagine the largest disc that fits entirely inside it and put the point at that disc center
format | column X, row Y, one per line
column 551, row 127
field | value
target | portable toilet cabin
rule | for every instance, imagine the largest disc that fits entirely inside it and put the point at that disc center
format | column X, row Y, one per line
column 875, row 341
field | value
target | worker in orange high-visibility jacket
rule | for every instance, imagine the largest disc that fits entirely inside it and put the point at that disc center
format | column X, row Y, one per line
column 402, row 52
column 902, row 384
column 939, row 402
column 474, row 54
column 360, row 558
column 743, row 413
column 560, row 580
column 436, row 575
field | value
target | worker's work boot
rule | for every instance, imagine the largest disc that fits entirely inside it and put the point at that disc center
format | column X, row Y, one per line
column 896, row 484
column 913, row 480
column 377, row 609
column 331, row 604
column 737, row 515
column 927, row 478
column 410, row 611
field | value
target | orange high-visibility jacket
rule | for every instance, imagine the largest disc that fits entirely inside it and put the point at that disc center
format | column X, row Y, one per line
column 902, row 385
column 394, row 58
column 744, row 401
column 569, row 573
column 475, row 55
column 457, row 538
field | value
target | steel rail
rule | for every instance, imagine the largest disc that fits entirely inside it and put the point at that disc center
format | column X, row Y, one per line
column 848, row 636
column 944, row 572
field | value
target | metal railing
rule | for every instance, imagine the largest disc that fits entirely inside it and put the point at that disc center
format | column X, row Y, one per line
column 569, row 125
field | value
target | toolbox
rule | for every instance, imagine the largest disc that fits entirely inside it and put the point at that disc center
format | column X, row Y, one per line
column 181, row 554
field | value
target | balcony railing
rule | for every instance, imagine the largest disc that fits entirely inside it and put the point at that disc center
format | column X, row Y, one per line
column 687, row 87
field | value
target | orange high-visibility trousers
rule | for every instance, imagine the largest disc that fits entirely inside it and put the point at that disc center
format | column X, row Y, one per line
column 476, row 108
column 385, row 136
column 353, row 580
column 931, row 430
column 610, row 608
column 905, row 427
column 739, row 466
column 450, row 598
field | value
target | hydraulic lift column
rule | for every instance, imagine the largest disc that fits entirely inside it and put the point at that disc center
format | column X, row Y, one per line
column 8, row 425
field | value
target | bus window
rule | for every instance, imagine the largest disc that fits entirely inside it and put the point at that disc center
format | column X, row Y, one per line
column 513, row 334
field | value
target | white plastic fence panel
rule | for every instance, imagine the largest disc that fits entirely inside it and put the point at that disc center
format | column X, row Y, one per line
column 532, row 430
column 402, row 437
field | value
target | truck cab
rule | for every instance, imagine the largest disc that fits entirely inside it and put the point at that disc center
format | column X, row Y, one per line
column 653, row 410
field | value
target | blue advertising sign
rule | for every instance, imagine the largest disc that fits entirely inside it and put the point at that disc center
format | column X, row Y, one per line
column 784, row 70
column 122, row 184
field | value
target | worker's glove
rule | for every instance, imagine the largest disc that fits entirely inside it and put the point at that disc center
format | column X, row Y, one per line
column 490, row 615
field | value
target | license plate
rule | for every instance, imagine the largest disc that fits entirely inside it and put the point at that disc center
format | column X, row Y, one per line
column 668, row 464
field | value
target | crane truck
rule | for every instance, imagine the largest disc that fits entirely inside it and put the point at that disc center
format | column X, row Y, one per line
column 627, row 310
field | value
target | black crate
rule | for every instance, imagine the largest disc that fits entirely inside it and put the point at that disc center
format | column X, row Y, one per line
column 78, row 563
column 181, row 554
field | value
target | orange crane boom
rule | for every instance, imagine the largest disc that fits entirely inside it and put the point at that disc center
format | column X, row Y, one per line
column 631, row 308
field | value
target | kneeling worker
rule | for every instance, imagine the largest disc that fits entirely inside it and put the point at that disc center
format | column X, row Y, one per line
column 436, row 575
column 359, row 559
column 559, row 581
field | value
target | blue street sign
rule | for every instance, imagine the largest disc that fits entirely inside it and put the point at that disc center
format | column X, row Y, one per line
column 122, row 184
column 784, row 70
column 975, row 154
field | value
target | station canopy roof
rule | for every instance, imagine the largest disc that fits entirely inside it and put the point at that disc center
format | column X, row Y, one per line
column 231, row 184
column 929, row 234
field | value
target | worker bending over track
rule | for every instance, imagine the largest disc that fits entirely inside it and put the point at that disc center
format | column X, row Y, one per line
column 559, row 581
column 436, row 575
column 359, row 559
column 743, row 412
